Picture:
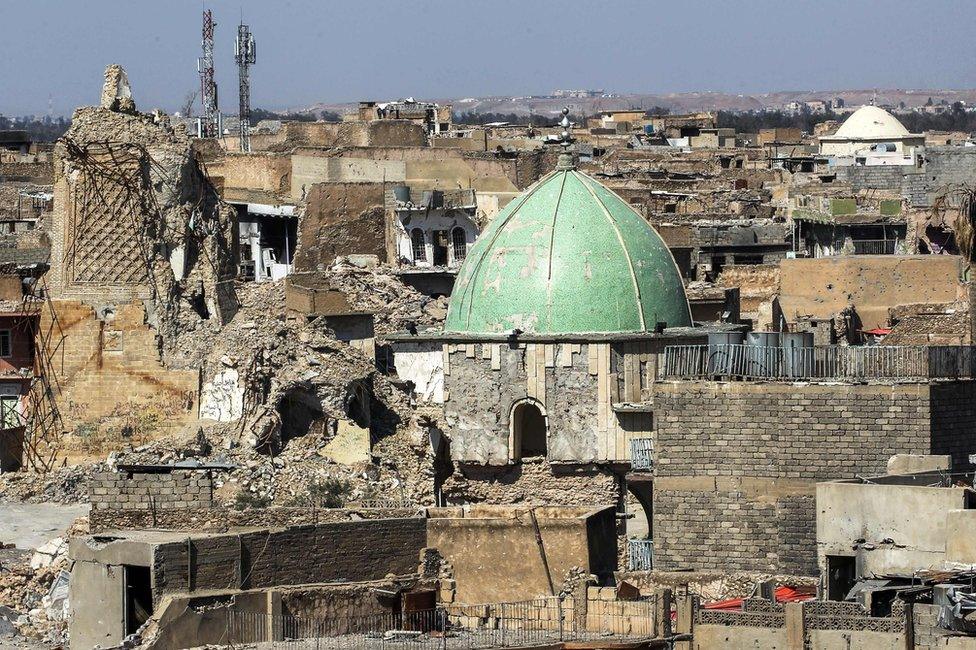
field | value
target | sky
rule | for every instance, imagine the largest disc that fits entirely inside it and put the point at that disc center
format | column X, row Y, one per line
column 312, row 51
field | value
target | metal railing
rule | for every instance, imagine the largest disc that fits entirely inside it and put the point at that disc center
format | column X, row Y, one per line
column 642, row 453
column 466, row 627
column 640, row 554
column 875, row 246
column 829, row 362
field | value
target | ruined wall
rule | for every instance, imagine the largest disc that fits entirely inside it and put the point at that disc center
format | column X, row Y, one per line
column 820, row 288
column 157, row 491
column 304, row 134
column 108, row 368
column 342, row 551
column 757, row 283
column 220, row 518
column 874, row 177
column 736, row 461
column 396, row 133
column 431, row 168
column 339, row 602
column 574, row 384
column 533, row 482
column 495, row 556
column 32, row 172
column 943, row 166
column 340, row 219
column 241, row 175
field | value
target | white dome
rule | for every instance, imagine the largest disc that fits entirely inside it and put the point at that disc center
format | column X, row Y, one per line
column 871, row 123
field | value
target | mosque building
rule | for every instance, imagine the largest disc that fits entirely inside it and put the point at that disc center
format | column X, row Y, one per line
column 872, row 136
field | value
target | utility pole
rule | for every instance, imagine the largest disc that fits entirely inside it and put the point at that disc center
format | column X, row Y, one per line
column 244, row 55
column 210, row 121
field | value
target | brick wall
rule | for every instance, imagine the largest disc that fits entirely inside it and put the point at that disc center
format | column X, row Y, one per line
column 220, row 518
column 878, row 177
column 342, row 551
column 178, row 490
column 106, row 363
column 943, row 166
column 953, row 415
column 737, row 462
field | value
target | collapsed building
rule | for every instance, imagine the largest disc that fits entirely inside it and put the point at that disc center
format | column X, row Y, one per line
column 140, row 250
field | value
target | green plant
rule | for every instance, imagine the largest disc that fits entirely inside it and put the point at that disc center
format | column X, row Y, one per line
column 329, row 492
column 245, row 500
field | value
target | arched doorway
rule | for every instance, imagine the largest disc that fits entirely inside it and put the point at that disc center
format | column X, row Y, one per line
column 529, row 429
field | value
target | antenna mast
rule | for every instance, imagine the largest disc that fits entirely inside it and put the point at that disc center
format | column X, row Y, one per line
column 210, row 122
column 244, row 55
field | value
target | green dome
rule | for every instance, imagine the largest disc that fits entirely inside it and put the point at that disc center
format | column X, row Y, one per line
column 567, row 256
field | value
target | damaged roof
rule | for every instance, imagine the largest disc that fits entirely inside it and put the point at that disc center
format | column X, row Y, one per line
column 567, row 256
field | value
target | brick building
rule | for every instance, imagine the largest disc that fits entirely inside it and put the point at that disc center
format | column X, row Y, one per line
column 737, row 462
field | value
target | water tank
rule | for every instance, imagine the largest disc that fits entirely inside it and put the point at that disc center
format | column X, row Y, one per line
column 722, row 353
column 648, row 129
column 797, row 354
column 762, row 355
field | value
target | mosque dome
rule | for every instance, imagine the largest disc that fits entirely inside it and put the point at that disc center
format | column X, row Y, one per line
column 871, row 123
column 567, row 256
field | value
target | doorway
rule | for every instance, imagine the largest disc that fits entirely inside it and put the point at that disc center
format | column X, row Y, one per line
column 841, row 576
column 439, row 247
column 138, row 597
column 529, row 434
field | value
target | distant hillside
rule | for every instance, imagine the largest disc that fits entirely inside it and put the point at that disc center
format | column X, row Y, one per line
column 679, row 102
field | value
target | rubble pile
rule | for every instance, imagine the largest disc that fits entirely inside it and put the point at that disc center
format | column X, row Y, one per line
column 64, row 485
column 281, row 360
column 34, row 590
column 396, row 306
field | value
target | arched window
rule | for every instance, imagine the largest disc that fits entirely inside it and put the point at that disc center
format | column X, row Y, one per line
column 419, row 245
column 459, row 244
column 528, row 431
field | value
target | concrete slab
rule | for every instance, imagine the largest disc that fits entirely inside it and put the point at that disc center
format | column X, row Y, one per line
column 28, row 525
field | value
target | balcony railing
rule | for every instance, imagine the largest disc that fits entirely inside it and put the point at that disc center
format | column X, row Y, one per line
column 875, row 246
column 642, row 454
column 640, row 554
column 829, row 362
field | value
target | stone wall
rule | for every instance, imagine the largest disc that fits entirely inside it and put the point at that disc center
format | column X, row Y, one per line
column 222, row 518
column 176, row 490
column 953, row 420
column 737, row 463
column 341, row 219
column 533, row 482
column 334, row 552
column 573, row 384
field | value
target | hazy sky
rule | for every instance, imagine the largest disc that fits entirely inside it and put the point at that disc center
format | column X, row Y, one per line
column 343, row 50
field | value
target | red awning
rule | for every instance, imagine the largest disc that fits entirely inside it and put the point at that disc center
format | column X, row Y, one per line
column 878, row 331
column 783, row 594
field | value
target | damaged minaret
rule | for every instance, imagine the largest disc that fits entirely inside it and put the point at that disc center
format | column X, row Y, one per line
column 135, row 217
column 141, row 251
